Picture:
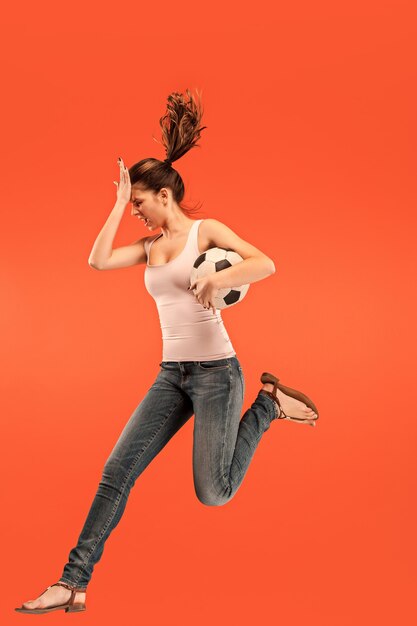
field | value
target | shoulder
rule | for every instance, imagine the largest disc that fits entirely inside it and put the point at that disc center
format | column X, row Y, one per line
column 219, row 235
column 147, row 240
column 214, row 230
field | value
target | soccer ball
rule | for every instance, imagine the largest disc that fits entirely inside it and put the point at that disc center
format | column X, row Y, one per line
column 216, row 260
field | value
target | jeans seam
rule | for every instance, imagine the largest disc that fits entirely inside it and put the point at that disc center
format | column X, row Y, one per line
column 224, row 478
column 242, row 382
column 129, row 473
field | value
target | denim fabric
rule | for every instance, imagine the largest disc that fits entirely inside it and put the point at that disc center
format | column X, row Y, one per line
column 223, row 446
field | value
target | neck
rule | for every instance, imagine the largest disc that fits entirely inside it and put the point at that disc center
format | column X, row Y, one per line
column 176, row 225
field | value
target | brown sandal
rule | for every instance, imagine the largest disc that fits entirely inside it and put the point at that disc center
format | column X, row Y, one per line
column 270, row 378
column 68, row 606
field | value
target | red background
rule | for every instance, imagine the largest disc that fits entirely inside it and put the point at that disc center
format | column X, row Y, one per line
column 310, row 155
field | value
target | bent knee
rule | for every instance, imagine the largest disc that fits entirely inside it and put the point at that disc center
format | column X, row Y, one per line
column 211, row 498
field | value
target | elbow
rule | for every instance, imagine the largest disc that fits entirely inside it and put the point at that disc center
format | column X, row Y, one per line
column 93, row 265
column 271, row 266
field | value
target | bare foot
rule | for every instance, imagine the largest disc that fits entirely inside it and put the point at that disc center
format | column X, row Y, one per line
column 52, row 596
column 292, row 406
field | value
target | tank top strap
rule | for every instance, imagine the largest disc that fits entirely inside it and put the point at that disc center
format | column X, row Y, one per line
column 147, row 243
column 194, row 236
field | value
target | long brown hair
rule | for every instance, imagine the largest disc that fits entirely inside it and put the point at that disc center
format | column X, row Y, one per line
column 180, row 132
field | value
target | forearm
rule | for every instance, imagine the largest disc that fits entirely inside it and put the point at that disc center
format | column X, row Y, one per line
column 103, row 245
column 247, row 271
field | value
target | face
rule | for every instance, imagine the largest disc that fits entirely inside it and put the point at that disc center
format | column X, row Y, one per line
column 148, row 206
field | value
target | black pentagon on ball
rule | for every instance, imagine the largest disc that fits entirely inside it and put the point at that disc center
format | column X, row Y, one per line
column 222, row 265
column 199, row 260
column 232, row 297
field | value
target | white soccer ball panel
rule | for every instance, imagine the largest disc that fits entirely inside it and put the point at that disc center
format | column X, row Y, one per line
column 215, row 260
column 215, row 254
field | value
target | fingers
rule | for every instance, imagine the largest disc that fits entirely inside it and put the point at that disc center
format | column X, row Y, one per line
column 205, row 306
column 124, row 187
column 120, row 162
column 124, row 174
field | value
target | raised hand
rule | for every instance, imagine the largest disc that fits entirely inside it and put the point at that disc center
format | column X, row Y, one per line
column 124, row 187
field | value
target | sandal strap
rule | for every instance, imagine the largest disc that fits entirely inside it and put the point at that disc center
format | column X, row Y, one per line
column 267, row 377
column 282, row 415
column 73, row 590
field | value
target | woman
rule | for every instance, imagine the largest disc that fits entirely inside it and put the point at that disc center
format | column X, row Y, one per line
column 199, row 373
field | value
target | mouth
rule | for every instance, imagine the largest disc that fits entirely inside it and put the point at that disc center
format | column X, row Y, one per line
column 145, row 220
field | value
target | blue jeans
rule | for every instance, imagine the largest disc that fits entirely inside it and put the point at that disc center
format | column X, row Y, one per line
column 223, row 446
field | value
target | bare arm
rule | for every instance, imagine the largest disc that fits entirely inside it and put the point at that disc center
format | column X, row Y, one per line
column 102, row 247
column 102, row 256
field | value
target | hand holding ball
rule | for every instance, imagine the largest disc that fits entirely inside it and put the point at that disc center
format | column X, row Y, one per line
column 215, row 260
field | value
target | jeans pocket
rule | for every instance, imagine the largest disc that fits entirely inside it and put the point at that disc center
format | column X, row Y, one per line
column 218, row 364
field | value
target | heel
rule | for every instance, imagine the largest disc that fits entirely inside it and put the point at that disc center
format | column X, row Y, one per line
column 74, row 608
column 266, row 377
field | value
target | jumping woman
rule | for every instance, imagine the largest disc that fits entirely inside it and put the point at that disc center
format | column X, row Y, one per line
column 200, row 373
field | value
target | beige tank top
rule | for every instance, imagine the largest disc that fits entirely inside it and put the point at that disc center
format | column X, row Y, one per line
column 189, row 331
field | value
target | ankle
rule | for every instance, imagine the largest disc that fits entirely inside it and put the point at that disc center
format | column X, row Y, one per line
column 71, row 587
